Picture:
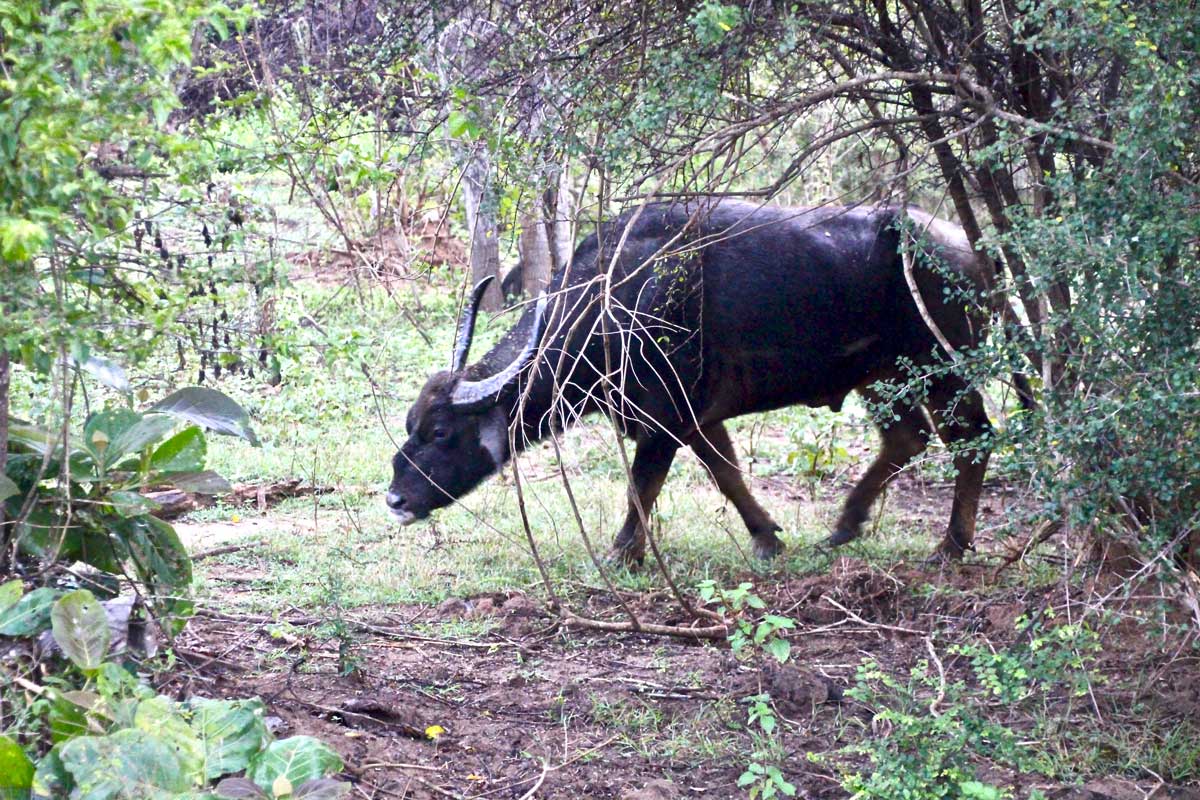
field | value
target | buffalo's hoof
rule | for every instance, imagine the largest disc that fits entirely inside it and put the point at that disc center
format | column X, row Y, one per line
column 767, row 546
column 949, row 551
column 840, row 537
column 628, row 557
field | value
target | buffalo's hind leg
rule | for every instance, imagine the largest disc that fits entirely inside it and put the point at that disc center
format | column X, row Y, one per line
column 651, row 463
column 962, row 423
column 902, row 440
column 715, row 451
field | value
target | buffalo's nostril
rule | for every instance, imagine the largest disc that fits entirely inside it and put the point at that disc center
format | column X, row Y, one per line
column 395, row 501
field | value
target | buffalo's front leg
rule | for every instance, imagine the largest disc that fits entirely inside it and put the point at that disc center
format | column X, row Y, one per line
column 715, row 450
column 651, row 463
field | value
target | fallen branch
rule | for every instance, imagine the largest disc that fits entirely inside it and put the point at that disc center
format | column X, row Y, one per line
column 397, row 765
column 716, row 632
column 226, row 550
column 264, row 495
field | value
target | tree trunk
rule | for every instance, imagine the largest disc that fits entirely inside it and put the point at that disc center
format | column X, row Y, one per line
column 547, row 235
column 562, row 219
column 478, row 197
column 536, row 256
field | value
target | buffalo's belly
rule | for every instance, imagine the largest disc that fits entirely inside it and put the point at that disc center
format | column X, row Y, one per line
column 750, row 380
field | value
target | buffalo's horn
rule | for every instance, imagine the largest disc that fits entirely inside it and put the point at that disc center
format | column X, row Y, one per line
column 472, row 395
column 466, row 327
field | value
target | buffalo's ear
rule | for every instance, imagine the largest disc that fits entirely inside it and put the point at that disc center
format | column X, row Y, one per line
column 493, row 436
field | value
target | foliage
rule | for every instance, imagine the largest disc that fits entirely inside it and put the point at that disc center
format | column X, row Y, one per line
column 1103, row 261
column 763, row 776
column 111, row 737
column 93, row 510
column 87, row 92
column 103, row 203
column 935, row 729
column 765, row 634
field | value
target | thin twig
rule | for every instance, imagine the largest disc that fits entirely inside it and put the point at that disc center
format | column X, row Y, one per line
column 541, row 779
column 879, row 625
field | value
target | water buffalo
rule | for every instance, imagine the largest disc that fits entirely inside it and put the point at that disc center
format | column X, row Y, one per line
column 678, row 316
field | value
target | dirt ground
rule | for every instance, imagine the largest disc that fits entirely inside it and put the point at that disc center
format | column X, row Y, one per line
column 422, row 704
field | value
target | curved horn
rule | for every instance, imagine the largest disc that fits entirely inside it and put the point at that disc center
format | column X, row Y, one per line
column 466, row 327
column 473, row 395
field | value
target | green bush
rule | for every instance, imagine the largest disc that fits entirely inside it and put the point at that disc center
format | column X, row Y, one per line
column 107, row 736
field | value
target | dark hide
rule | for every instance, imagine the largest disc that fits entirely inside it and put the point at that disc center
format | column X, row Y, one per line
column 713, row 310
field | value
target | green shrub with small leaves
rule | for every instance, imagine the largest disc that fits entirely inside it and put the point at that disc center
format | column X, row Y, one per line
column 929, row 732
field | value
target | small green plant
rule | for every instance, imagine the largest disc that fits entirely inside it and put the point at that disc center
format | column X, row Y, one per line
column 815, row 452
column 762, row 777
column 1044, row 655
column 765, row 634
column 765, row 781
column 931, row 734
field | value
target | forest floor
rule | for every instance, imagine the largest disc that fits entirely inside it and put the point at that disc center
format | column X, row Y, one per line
column 431, row 659
column 487, row 695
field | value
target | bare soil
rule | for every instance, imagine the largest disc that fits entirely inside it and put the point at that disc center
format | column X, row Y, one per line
column 420, row 706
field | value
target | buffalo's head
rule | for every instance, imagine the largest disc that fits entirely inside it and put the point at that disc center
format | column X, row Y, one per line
column 458, row 427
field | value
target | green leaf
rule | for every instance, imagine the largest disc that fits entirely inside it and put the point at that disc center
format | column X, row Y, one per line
column 10, row 593
column 128, row 765
column 102, row 428
column 298, row 758
column 159, row 717
column 131, row 504
column 210, row 409
column 16, row 770
column 36, row 439
column 162, row 563
column 237, row 788
column 7, row 488
column 81, row 629
column 47, row 534
column 21, row 239
column 112, row 434
column 183, row 452
column 69, row 715
column 779, row 648
column 51, row 780
column 206, row 482
column 322, row 789
column 976, row 790
column 461, row 125
column 145, row 432
column 30, row 614
column 231, row 732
